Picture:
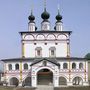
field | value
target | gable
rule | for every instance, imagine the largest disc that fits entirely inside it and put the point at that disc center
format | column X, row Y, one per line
column 45, row 62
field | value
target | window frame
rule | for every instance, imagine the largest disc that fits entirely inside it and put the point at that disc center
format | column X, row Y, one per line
column 17, row 66
column 25, row 66
column 73, row 67
column 10, row 67
column 54, row 52
column 65, row 66
column 40, row 52
column 80, row 65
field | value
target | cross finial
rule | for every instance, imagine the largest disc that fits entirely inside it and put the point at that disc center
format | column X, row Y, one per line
column 44, row 4
column 32, row 8
column 58, row 9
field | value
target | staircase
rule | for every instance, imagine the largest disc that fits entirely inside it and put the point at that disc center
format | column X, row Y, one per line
column 45, row 87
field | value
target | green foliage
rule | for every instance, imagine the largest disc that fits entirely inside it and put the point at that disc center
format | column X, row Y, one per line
column 87, row 56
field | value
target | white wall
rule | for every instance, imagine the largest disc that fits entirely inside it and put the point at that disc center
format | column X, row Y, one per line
column 61, row 49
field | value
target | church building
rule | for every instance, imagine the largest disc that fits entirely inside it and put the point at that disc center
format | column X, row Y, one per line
column 46, row 58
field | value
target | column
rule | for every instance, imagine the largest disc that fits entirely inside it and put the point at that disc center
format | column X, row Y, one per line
column 56, row 77
column 34, row 80
column 20, row 84
column 85, row 83
column 56, row 81
column 68, row 55
column 68, row 49
column 23, row 50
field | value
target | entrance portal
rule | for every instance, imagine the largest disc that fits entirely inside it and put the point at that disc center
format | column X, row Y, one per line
column 44, row 77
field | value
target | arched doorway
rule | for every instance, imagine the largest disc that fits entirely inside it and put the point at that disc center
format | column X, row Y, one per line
column 44, row 77
column 27, row 82
column 77, row 81
column 62, row 81
column 14, row 81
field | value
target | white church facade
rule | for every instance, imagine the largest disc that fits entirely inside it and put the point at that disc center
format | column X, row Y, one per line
column 46, row 58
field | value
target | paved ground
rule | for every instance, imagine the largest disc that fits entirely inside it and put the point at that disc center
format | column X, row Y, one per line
column 73, row 88
column 15, row 88
column 61, row 88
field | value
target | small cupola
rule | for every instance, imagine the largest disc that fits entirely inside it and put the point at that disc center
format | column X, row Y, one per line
column 31, row 18
column 31, row 24
column 58, row 17
column 45, row 24
column 58, row 26
column 45, row 15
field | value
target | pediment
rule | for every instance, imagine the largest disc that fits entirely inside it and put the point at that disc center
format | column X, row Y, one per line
column 44, row 62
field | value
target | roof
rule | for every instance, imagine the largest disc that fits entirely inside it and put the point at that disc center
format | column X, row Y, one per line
column 47, row 32
column 47, row 58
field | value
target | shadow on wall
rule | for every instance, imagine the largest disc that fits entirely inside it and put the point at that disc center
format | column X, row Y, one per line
column 1, row 66
column 89, row 82
column 89, row 71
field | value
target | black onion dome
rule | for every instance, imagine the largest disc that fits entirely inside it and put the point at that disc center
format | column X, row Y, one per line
column 45, row 14
column 58, row 17
column 31, row 17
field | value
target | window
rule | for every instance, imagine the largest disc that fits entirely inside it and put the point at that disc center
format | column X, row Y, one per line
column 17, row 67
column 77, row 81
column 38, row 52
column 52, row 51
column 25, row 66
column 59, row 66
column 81, row 66
column 65, row 66
column 73, row 65
column 10, row 67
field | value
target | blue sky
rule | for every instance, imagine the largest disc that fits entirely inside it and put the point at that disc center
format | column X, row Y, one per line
column 14, row 18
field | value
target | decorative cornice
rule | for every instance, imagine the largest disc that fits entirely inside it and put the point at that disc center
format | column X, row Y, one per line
column 28, row 32
column 56, row 58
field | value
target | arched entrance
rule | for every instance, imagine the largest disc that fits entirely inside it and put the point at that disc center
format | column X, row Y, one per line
column 62, row 81
column 27, row 82
column 14, row 81
column 77, row 81
column 44, row 77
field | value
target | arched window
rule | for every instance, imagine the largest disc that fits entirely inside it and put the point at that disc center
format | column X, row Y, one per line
column 73, row 65
column 81, row 66
column 65, row 66
column 10, row 66
column 38, row 52
column 62, row 81
column 52, row 51
column 77, row 81
column 17, row 67
column 26, row 66
column 14, row 81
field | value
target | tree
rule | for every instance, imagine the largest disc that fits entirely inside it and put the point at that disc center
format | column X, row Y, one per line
column 87, row 56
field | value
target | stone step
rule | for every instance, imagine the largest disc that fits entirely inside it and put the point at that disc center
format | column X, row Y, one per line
column 44, row 87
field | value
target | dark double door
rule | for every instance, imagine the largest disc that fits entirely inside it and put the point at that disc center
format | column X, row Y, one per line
column 44, row 77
